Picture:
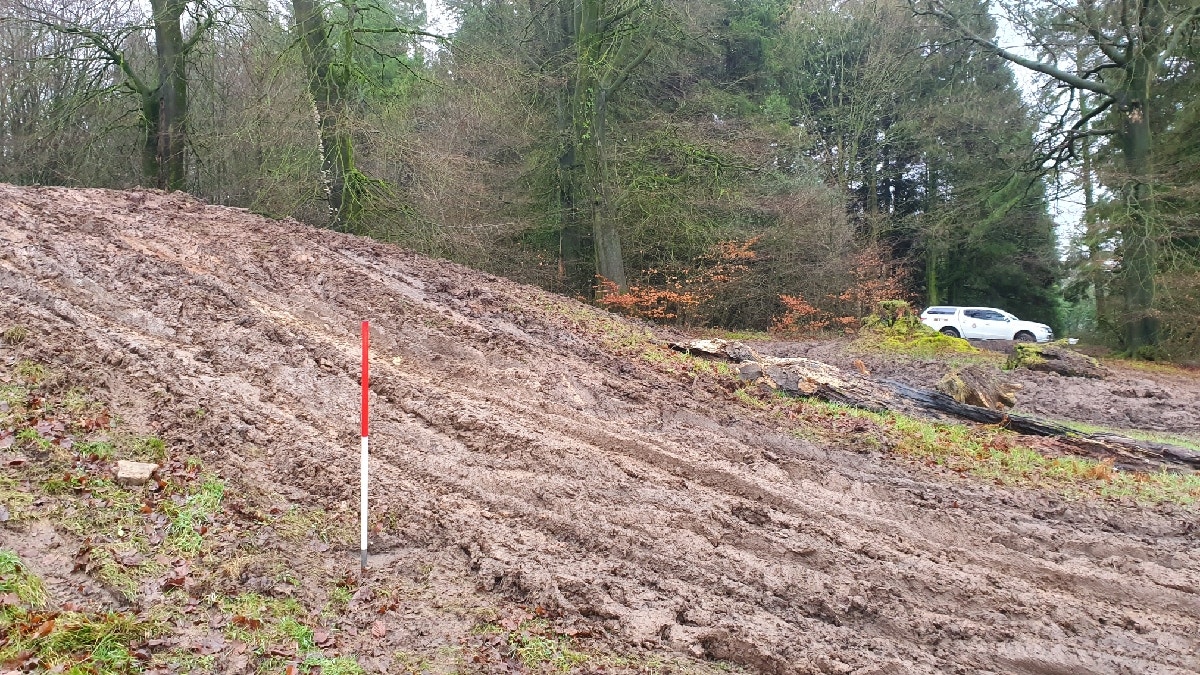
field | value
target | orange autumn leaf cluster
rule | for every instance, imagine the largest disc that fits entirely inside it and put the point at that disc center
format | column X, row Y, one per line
column 680, row 296
column 646, row 302
column 876, row 279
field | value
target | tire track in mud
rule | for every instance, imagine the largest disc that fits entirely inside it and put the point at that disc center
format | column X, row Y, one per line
column 502, row 439
column 1062, row 577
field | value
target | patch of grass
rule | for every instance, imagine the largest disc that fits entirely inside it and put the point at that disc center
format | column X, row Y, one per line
column 95, row 450
column 15, row 335
column 534, row 644
column 15, row 396
column 75, row 642
column 613, row 333
column 32, row 373
column 262, row 622
column 118, row 515
column 741, row 394
column 739, row 335
column 341, row 665
column 183, row 534
column 114, row 519
column 340, row 595
column 182, row 660
column 15, row 499
column 301, row 524
column 144, row 448
column 16, row 578
column 679, row 363
column 1148, row 366
column 72, row 642
column 30, row 437
column 77, row 402
column 995, row 454
column 412, row 664
column 1152, row 436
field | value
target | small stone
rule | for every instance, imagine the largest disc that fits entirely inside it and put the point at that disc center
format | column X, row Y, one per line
column 134, row 473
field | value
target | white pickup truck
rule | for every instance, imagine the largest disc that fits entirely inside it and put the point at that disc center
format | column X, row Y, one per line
column 984, row 323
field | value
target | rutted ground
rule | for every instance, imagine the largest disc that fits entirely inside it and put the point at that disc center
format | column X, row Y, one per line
column 526, row 463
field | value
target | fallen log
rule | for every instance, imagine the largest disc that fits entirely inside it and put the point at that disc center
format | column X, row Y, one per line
column 1127, row 453
column 810, row 378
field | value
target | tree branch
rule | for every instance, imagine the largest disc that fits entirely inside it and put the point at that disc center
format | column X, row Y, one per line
column 1110, row 49
column 625, row 72
column 1037, row 66
column 613, row 19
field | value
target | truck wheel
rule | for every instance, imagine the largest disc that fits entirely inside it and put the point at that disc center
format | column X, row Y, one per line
column 1025, row 336
column 950, row 332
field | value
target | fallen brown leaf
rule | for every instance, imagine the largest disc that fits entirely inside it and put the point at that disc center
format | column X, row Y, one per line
column 247, row 622
column 44, row 629
column 322, row 638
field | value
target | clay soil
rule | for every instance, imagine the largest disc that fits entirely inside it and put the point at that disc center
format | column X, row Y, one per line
column 528, row 467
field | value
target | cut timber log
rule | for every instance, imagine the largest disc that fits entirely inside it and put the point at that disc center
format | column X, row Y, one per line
column 809, row 378
column 977, row 385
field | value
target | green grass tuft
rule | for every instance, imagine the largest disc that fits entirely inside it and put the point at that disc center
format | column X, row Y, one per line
column 184, row 532
column 16, row 578
column 536, row 646
column 75, row 642
column 341, row 665
column 15, row 335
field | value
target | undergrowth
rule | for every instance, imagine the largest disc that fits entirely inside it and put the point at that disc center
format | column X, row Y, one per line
column 16, row 579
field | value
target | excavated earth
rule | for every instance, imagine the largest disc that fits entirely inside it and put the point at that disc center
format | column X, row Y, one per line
column 522, row 462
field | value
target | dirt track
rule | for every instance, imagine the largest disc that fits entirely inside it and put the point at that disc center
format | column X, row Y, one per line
column 518, row 459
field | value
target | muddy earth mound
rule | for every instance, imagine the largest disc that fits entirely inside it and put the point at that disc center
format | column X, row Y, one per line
column 523, row 460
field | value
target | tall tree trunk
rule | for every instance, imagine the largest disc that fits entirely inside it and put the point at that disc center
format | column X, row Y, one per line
column 931, row 278
column 573, row 269
column 933, row 244
column 1139, row 245
column 606, row 239
column 172, row 93
column 150, row 125
column 603, row 61
column 1092, row 234
column 325, row 87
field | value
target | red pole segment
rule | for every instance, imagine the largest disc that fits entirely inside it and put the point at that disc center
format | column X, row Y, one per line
column 366, row 374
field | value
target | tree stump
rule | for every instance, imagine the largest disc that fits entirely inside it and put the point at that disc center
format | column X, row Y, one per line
column 976, row 385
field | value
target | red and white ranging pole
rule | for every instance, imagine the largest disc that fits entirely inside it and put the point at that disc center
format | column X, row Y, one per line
column 362, row 473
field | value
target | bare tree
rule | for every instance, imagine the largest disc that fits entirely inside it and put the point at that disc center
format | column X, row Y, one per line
column 106, row 33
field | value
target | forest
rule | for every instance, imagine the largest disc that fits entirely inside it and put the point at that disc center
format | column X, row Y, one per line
column 743, row 164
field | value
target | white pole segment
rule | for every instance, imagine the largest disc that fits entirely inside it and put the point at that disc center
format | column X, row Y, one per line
column 362, row 503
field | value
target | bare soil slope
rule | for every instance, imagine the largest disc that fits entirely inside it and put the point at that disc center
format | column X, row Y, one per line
column 520, row 461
